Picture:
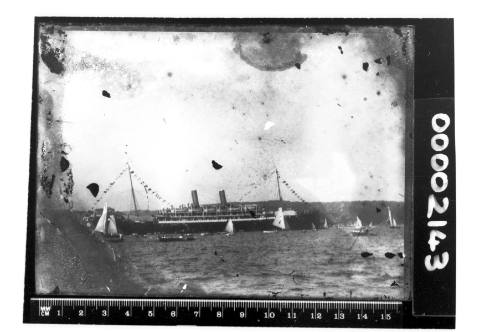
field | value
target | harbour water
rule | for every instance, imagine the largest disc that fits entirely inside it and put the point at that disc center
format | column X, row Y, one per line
column 309, row 264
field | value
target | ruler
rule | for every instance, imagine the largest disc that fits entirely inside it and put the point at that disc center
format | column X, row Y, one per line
column 216, row 312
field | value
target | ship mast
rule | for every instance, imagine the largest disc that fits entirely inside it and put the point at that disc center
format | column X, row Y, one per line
column 279, row 189
column 132, row 189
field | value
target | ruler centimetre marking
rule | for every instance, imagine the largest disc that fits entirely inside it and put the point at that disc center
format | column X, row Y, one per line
column 235, row 312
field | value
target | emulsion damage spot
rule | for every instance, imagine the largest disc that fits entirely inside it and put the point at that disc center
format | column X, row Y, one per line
column 64, row 164
column 216, row 165
column 93, row 188
column 270, row 51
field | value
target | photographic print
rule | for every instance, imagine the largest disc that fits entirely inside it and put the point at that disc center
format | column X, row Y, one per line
column 236, row 161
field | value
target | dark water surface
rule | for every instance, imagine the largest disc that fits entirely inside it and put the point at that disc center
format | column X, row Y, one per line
column 295, row 263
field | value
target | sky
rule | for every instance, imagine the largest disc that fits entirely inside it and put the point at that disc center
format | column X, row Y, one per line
column 302, row 103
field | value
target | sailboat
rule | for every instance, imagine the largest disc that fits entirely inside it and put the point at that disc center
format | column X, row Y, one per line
column 359, row 229
column 391, row 220
column 279, row 220
column 229, row 227
column 325, row 224
column 107, row 226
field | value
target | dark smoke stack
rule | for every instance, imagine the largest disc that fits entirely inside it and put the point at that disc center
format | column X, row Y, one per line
column 222, row 196
column 194, row 196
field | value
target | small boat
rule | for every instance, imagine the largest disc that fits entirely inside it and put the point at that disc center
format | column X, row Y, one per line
column 175, row 238
column 325, row 224
column 107, row 227
column 229, row 227
column 359, row 229
column 267, row 232
column 392, row 221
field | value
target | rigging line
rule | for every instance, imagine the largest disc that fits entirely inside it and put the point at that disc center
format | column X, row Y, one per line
column 354, row 242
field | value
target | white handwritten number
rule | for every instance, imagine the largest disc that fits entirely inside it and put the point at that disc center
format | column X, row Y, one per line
column 436, row 263
column 440, row 116
column 439, row 163
column 433, row 243
column 443, row 159
column 433, row 205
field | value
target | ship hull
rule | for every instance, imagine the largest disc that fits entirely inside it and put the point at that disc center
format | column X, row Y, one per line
column 248, row 224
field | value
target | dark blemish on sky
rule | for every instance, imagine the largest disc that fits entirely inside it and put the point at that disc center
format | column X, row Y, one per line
column 366, row 254
column 93, row 188
column 339, row 105
column 259, row 138
column 262, row 103
column 216, row 165
column 377, row 74
column 365, row 99
column 64, row 164
column 352, row 116
column 344, row 76
column 106, row 94
column 389, row 255
column 365, row 66
column 236, row 141
column 297, row 65
column 378, row 93
column 283, row 141
column 379, row 190
column 388, row 60
column 379, row 60
column 169, row 74
column 340, row 49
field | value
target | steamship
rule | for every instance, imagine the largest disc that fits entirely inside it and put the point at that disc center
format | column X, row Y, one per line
column 222, row 217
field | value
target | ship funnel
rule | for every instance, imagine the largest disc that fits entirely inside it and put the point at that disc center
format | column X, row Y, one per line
column 222, row 196
column 194, row 196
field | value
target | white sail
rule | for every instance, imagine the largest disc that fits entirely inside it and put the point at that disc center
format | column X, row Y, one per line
column 370, row 225
column 394, row 223
column 279, row 220
column 112, row 230
column 229, row 226
column 390, row 216
column 101, row 224
column 358, row 223
column 325, row 225
column 313, row 227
